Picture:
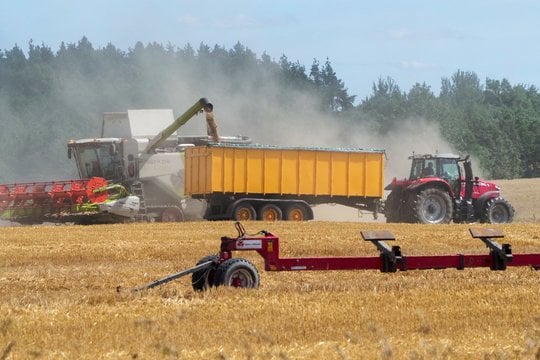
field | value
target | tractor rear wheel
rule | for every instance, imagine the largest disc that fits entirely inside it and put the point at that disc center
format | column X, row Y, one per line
column 237, row 272
column 205, row 278
column 433, row 206
column 270, row 212
column 392, row 207
column 498, row 211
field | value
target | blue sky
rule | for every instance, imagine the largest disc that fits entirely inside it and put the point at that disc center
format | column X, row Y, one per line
column 409, row 41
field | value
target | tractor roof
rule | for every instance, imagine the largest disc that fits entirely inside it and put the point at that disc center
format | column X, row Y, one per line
column 434, row 156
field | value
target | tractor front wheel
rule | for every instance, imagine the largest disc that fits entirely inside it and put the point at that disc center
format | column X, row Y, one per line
column 498, row 211
column 433, row 206
column 237, row 272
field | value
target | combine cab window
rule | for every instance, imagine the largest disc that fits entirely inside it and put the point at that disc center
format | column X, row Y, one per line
column 98, row 161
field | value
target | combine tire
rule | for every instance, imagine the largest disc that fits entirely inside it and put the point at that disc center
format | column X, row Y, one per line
column 296, row 212
column 237, row 272
column 497, row 211
column 433, row 206
column 244, row 211
column 205, row 278
column 270, row 212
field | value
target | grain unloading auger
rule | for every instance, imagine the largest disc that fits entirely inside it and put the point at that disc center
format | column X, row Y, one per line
column 80, row 201
column 224, row 269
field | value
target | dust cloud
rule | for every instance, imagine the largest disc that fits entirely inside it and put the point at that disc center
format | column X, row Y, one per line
column 245, row 103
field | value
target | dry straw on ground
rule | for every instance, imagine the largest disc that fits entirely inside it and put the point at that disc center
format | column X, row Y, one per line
column 58, row 296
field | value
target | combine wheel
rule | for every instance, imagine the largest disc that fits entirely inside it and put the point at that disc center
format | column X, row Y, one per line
column 237, row 272
column 244, row 211
column 205, row 278
column 433, row 206
column 270, row 212
column 498, row 211
column 172, row 214
column 296, row 212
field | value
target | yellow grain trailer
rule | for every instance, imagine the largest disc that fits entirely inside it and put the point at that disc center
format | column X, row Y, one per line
column 247, row 182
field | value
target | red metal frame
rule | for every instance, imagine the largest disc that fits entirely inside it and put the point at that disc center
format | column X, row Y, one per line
column 390, row 259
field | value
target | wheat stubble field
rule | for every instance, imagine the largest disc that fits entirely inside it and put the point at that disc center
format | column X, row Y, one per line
column 58, row 296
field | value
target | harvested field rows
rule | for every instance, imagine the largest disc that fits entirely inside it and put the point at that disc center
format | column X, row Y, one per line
column 58, row 296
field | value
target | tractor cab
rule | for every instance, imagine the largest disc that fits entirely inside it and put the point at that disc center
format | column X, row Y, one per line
column 443, row 166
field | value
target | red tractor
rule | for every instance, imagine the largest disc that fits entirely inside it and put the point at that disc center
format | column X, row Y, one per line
column 441, row 188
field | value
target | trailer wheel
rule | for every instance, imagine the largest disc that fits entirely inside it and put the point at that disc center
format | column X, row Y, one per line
column 205, row 278
column 270, row 212
column 172, row 214
column 237, row 272
column 296, row 212
column 498, row 211
column 433, row 206
column 244, row 211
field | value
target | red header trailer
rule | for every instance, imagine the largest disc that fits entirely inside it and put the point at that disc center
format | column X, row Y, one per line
column 223, row 269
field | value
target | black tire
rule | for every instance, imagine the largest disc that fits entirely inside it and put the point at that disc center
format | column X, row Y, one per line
column 205, row 278
column 433, row 206
column 244, row 211
column 392, row 207
column 237, row 272
column 270, row 212
column 498, row 211
column 296, row 212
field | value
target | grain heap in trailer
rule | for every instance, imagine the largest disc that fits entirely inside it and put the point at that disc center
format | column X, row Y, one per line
column 248, row 182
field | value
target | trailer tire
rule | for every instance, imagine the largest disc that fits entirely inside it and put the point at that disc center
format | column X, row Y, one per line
column 172, row 214
column 205, row 278
column 237, row 272
column 244, row 211
column 498, row 211
column 270, row 212
column 296, row 212
column 433, row 206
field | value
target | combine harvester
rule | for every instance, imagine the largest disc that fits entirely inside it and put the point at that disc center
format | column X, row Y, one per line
column 224, row 269
column 131, row 172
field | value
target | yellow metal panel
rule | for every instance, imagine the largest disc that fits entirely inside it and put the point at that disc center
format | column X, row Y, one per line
column 356, row 178
column 228, row 169
column 306, row 173
column 255, row 171
column 289, row 172
column 272, row 172
column 322, row 173
column 265, row 170
column 239, row 173
column 339, row 167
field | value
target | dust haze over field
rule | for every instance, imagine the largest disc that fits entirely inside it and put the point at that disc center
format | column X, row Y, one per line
column 246, row 102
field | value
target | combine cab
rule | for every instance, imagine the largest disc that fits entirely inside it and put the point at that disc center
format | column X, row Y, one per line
column 441, row 188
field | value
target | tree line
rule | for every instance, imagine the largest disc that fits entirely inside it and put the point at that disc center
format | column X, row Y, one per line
column 48, row 97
